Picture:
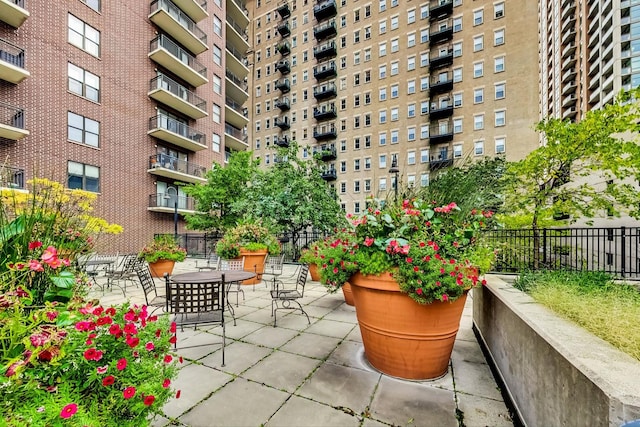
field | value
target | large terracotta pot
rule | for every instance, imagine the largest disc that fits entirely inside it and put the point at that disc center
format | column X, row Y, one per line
column 315, row 273
column 402, row 338
column 160, row 267
column 348, row 293
column 254, row 262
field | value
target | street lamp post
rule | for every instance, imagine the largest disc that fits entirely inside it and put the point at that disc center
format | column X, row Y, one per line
column 167, row 197
column 395, row 170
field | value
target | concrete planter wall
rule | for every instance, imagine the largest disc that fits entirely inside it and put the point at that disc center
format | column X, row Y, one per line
column 556, row 373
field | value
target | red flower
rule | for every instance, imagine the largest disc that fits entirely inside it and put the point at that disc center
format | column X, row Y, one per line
column 158, row 333
column 115, row 329
column 445, row 297
column 166, row 383
column 132, row 342
column 178, row 394
column 172, row 329
column 104, row 320
column 173, row 339
column 92, row 354
column 108, row 380
column 130, row 329
column 129, row 392
column 122, row 363
column 168, row 358
column 69, row 410
column 419, row 291
column 148, row 400
column 149, row 346
column 34, row 245
column 98, row 311
column 110, row 311
column 102, row 369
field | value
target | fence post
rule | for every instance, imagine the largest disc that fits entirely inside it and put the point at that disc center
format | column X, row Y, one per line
column 623, row 251
column 543, row 247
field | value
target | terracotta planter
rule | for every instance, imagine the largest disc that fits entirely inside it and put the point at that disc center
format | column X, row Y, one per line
column 315, row 273
column 160, row 267
column 402, row 338
column 254, row 262
column 348, row 293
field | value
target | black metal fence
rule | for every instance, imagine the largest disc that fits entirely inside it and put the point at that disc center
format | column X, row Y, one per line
column 614, row 250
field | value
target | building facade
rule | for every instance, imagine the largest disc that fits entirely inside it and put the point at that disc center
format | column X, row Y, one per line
column 131, row 100
column 429, row 84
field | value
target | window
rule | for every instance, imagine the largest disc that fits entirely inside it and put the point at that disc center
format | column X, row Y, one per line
column 343, row 166
column 395, row 23
column 343, row 21
column 498, row 10
column 382, row 49
column 356, row 122
column 367, row 141
column 457, row 49
column 356, row 79
column 343, row 187
column 478, row 122
column 382, row 138
column 457, row 125
column 478, row 17
column 478, row 148
column 367, row 185
column 367, row 119
column 382, row 161
column 500, row 118
column 457, row 100
column 343, row 41
column 395, row 45
column 411, row 40
column 367, row 98
column 424, row 107
column 411, row 158
column 367, row 11
column 382, row 116
column 216, row 113
column 343, row 62
column 215, row 143
column 457, row 24
column 411, row 63
column 424, row 131
column 356, row 189
column 457, row 151
column 395, row 68
column 500, row 89
column 217, row 55
column 478, row 69
column 498, row 64
column 367, row 54
column 411, row 181
column 411, row 135
column 382, row 5
column 382, row 71
column 93, row 4
column 424, row 11
column 83, row 130
column 217, row 26
column 367, row 33
column 457, row 75
column 478, row 43
column 367, row 76
column 424, row 35
column 356, row 58
column 382, row 94
column 424, row 83
column 367, row 163
column 424, row 179
column 395, row 137
column 478, row 96
column 217, row 85
column 424, row 155
column 382, row 184
column 343, row 145
column 356, row 36
column 394, row 114
column 84, row 83
column 356, row 165
column 500, row 145
column 257, row 125
column 424, row 59
column 498, row 37
column 83, row 177
column 411, row 110
column 411, row 87
column 356, row 15
column 84, row 36
column 382, row 26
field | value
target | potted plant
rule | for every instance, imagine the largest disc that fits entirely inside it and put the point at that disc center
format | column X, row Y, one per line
column 253, row 241
column 409, row 265
column 314, row 254
column 162, row 254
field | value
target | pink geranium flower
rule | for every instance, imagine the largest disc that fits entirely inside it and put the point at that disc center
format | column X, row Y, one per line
column 69, row 411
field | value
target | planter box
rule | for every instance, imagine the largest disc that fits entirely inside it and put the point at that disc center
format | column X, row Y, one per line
column 555, row 373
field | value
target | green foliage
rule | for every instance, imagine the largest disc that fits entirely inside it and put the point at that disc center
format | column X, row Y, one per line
column 249, row 234
column 558, row 177
column 163, row 247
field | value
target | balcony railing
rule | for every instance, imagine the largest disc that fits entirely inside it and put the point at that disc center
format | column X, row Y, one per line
column 163, row 82
column 438, row 35
column 161, row 200
column 283, row 66
column 11, row 177
column 241, row 31
column 326, row 154
column 325, row 50
column 284, row 48
column 439, row 84
column 236, row 53
column 283, row 104
column 444, row 160
column 322, row 133
column 440, row 111
column 11, row 116
column 162, row 121
column 235, row 106
column 439, row 9
column 180, row 55
column 11, row 53
column 283, row 9
column 441, row 133
column 13, row 12
column 184, row 21
column 282, row 141
column 328, row 29
column 329, row 175
column 325, row 9
column 442, row 60
column 241, row 83
column 325, row 70
column 324, row 91
column 283, row 29
column 165, row 161
column 283, row 85
column 282, row 122
column 325, row 112
column 235, row 132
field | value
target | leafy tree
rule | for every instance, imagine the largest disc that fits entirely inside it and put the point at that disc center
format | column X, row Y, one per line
column 292, row 195
column 225, row 186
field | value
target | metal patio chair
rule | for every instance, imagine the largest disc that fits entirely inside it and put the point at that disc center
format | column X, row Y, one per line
column 151, row 296
column 272, row 269
column 212, row 263
column 284, row 298
column 232, row 287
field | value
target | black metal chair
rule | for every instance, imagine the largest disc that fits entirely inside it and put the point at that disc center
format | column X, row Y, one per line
column 124, row 272
column 233, row 287
column 283, row 298
column 213, row 263
column 272, row 269
column 149, row 287
column 197, row 303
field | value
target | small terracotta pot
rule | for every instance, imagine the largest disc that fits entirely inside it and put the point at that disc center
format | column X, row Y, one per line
column 348, row 294
column 160, row 267
column 315, row 274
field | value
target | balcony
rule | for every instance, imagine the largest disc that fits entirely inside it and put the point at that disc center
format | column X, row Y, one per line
column 13, row 12
column 441, row 111
column 236, row 60
column 569, row 100
column 440, row 9
column 282, row 122
column 327, row 154
column 569, row 113
column 440, row 35
column 569, row 75
column 569, row 62
column 235, row 113
column 236, row 34
column 283, row 85
column 325, row 91
column 196, row 9
column 325, row 112
column 325, row 70
column 237, row 9
column 283, row 66
column 444, row 160
column 283, row 10
column 12, row 63
column 568, row 49
column 283, row 141
column 235, row 138
column 329, row 175
column 168, row 54
column 440, row 85
column 171, row 19
column 570, row 88
column 236, row 87
column 283, row 29
column 12, row 122
column 326, row 30
column 325, row 132
column 178, row 133
column 284, row 48
column 326, row 50
column 11, row 177
column 283, row 104
column 325, row 9
column 444, row 60
column 442, row 132
column 171, row 93
column 176, row 169
column 161, row 203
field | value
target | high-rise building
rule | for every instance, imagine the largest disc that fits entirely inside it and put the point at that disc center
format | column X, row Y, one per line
column 589, row 51
column 366, row 84
column 128, row 99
